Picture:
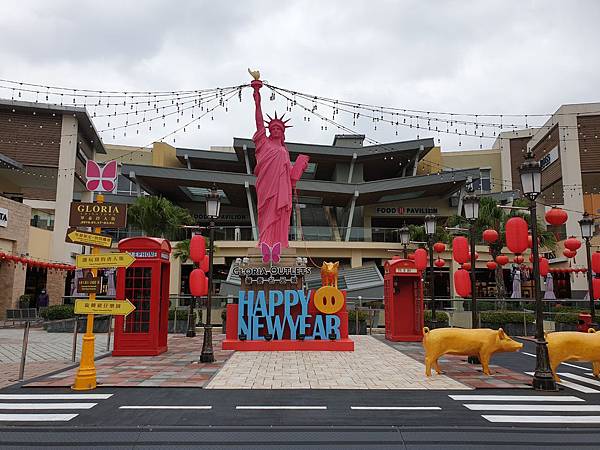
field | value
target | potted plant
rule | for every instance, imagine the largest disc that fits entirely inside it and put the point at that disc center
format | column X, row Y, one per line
column 512, row 322
column 25, row 301
column 362, row 322
column 441, row 318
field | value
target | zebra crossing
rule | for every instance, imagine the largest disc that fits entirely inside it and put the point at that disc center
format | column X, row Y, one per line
column 45, row 407
column 539, row 409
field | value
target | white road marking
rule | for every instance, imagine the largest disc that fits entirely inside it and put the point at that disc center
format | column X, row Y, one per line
column 518, row 398
column 55, row 396
column 579, row 378
column 280, row 407
column 47, row 405
column 542, row 419
column 591, row 374
column 36, row 417
column 566, row 364
column 575, row 386
column 396, row 408
column 561, row 408
column 165, row 407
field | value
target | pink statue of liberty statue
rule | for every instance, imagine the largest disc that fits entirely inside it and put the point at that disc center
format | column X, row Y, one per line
column 275, row 179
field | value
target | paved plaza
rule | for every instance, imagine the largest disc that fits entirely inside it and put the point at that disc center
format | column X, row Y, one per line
column 372, row 365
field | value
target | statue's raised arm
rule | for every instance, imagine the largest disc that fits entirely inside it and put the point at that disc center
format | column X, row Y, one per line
column 256, row 85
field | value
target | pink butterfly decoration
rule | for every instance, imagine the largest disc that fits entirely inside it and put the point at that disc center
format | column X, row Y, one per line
column 271, row 253
column 101, row 179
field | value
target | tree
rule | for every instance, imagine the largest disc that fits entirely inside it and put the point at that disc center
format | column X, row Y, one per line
column 181, row 250
column 157, row 216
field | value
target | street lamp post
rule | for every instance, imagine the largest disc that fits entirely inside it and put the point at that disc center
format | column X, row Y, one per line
column 471, row 207
column 531, row 181
column 213, row 205
column 587, row 232
column 405, row 239
column 430, row 231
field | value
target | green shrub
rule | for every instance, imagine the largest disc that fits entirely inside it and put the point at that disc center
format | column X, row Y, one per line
column 440, row 316
column 569, row 309
column 182, row 314
column 57, row 312
column 502, row 317
column 486, row 306
column 566, row 317
column 363, row 316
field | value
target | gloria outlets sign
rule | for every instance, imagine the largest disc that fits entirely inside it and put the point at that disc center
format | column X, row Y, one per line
column 3, row 217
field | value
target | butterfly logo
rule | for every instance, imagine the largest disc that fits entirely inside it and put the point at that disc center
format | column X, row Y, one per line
column 271, row 254
column 101, row 179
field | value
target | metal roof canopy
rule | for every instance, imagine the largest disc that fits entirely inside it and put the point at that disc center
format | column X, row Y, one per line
column 170, row 181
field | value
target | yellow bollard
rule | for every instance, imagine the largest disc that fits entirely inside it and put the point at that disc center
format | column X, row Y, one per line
column 86, row 374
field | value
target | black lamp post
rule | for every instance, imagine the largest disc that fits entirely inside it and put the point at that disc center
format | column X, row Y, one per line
column 587, row 232
column 531, row 182
column 430, row 231
column 405, row 239
column 213, row 205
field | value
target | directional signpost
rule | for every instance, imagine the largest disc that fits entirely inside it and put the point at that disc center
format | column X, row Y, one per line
column 114, row 307
column 75, row 236
column 104, row 261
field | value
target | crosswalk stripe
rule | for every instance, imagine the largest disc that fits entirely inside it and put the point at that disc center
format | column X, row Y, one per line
column 539, row 407
column 13, row 406
column 541, row 419
column 396, row 408
column 165, row 407
column 578, row 378
column 518, row 398
column 36, row 417
column 575, row 386
column 280, row 407
column 565, row 363
column 55, row 396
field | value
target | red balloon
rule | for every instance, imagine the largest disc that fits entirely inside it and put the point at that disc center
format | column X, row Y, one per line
column 439, row 247
column 204, row 264
column 518, row 259
column 516, row 234
column 569, row 253
column 573, row 243
column 197, row 248
column 596, row 287
column 491, row 265
column 596, row 262
column 421, row 259
column 556, row 216
column 544, row 266
column 490, row 236
column 502, row 259
column 439, row 262
column 460, row 249
column 462, row 283
column 198, row 283
column 466, row 266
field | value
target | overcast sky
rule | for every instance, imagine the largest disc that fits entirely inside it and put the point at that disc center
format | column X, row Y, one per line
column 463, row 56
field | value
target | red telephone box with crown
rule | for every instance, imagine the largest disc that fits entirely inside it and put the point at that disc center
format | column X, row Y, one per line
column 403, row 298
column 146, row 284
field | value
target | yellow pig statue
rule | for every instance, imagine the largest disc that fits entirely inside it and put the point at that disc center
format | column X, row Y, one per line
column 481, row 342
column 574, row 346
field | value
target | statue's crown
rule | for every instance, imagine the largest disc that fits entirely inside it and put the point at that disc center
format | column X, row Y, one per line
column 277, row 122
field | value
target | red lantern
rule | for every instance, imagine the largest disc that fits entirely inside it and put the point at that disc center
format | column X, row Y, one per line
column 544, row 266
column 529, row 242
column 569, row 253
column 462, row 283
column 518, row 259
column 439, row 247
column 466, row 266
column 573, row 243
column 197, row 248
column 502, row 259
column 491, row 265
column 439, row 262
column 596, row 262
column 411, row 256
column 556, row 216
column 204, row 264
column 596, row 287
column 490, row 236
column 516, row 234
column 460, row 249
column 420, row 258
column 198, row 283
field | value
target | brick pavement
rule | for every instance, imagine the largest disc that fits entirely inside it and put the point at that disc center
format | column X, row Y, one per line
column 457, row 368
column 372, row 365
column 178, row 367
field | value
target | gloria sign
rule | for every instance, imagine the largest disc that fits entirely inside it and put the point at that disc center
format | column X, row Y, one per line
column 270, row 275
column 101, row 215
column 282, row 313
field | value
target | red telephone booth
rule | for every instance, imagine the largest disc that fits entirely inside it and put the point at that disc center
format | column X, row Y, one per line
column 403, row 298
column 146, row 284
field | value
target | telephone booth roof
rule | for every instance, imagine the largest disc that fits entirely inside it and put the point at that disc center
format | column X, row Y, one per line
column 143, row 242
column 399, row 263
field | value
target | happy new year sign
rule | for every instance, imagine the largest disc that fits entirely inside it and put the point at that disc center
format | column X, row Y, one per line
column 276, row 313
